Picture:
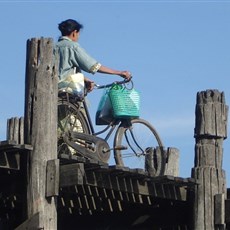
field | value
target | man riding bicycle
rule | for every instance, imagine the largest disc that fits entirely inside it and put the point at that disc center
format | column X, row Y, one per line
column 73, row 56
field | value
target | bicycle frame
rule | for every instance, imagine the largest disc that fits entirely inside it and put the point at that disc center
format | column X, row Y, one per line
column 114, row 123
column 112, row 126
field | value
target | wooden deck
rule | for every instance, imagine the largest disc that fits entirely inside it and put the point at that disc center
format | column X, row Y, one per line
column 90, row 189
column 100, row 187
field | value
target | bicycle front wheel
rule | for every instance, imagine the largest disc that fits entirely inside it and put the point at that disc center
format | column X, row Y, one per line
column 132, row 142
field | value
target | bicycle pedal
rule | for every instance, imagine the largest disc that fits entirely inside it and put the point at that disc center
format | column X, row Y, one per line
column 120, row 147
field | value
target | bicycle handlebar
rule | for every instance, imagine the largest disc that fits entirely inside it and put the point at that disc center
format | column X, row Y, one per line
column 111, row 84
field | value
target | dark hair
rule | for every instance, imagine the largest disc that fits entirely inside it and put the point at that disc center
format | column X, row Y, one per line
column 68, row 26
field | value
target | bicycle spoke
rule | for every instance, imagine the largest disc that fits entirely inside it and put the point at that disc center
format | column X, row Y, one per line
column 134, row 139
column 131, row 154
column 127, row 139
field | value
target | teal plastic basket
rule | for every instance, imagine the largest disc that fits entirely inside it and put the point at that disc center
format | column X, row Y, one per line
column 125, row 102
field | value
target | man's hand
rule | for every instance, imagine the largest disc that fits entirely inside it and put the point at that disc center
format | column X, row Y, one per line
column 89, row 85
column 126, row 74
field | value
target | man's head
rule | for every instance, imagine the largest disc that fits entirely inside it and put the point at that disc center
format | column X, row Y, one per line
column 70, row 28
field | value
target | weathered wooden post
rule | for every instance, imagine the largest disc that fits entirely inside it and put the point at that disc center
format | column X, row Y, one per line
column 41, row 133
column 210, row 131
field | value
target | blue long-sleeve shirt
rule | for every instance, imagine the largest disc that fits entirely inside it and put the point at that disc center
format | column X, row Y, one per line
column 72, row 55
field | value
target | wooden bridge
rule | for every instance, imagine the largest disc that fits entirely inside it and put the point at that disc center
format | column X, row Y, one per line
column 41, row 191
column 88, row 191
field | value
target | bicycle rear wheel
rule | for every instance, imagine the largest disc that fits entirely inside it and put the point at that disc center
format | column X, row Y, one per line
column 71, row 118
column 138, row 136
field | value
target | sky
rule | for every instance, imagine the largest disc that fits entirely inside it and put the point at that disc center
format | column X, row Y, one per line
column 173, row 49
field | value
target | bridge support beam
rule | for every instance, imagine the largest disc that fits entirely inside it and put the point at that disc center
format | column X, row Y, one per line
column 41, row 128
column 210, row 131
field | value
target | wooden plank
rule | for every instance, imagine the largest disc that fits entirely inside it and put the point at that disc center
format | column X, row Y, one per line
column 98, row 200
column 8, row 142
column 137, row 173
column 21, row 130
column 15, row 130
column 96, row 166
column 116, row 205
column 227, row 211
column 3, row 160
column 10, row 160
column 105, row 200
column 123, row 189
column 31, row 224
column 52, row 178
column 85, row 203
column 12, row 129
column 146, row 200
column 90, row 178
column 167, row 191
column 160, row 190
column 141, row 187
column 13, row 160
column 11, row 146
column 126, row 185
column 172, row 166
column 119, row 169
column 173, row 192
column 117, row 190
column 90, row 200
column 71, row 174
column 130, row 190
column 219, row 209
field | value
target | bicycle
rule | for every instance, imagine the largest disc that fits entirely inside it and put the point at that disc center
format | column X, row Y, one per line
column 136, row 142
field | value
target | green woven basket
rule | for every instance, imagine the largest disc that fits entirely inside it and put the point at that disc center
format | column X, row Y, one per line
column 125, row 102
